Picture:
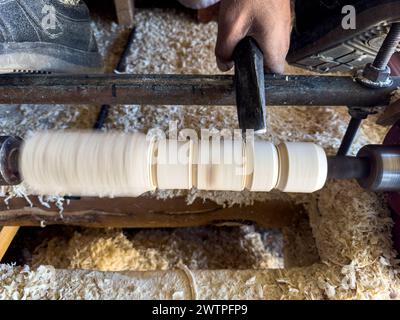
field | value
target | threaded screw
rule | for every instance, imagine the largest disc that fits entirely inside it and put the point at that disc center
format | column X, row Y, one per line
column 388, row 47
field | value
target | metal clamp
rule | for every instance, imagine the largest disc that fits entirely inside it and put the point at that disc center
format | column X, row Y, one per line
column 9, row 154
column 377, row 75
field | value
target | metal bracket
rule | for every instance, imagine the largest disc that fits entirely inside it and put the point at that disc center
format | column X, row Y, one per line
column 391, row 114
column 357, row 116
column 378, row 74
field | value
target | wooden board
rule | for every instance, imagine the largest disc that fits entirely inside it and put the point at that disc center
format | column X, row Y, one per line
column 146, row 212
column 7, row 235
column 125, row 12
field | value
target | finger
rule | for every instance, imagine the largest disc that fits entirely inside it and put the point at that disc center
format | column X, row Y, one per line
column 208, row 14
column 274, row 54
column 233, row 26
column 275, row 45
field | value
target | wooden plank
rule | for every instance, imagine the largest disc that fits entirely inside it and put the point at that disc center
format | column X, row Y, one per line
column 146, row 212
column 7, row 235
column 125, row 11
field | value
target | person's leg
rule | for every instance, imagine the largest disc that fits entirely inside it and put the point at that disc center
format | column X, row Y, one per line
column 47, row 36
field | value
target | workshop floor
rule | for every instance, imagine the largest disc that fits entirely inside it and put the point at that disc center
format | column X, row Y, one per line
column 352, row 248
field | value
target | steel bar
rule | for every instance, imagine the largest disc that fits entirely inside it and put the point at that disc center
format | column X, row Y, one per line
column 343, row 167
column 121, row 65
column 185, row 90
column 351, row 132
column 101, row 117
column 357, row 116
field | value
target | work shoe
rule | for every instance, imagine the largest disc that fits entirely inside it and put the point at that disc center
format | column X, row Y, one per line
column 43, row 36
column 323, row 39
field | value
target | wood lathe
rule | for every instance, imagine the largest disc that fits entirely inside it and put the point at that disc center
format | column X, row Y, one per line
column 49, row 162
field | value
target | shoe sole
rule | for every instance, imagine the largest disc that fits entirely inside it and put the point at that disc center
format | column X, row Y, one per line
column 347, row 50
column 47, row 58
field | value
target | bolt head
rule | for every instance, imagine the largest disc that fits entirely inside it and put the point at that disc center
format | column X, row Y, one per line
column 376, row 75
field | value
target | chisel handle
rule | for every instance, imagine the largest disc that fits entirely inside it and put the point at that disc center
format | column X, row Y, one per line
column 250, row 85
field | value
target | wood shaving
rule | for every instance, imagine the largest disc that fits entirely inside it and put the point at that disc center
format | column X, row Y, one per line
column 144, row 250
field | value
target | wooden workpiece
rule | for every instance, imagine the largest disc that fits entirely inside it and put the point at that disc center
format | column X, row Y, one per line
column 90, row 164
column 262, row 166
column 221, row 165
column 174, row 168
column 128, row 165
column 125, row 10
column 303, row 167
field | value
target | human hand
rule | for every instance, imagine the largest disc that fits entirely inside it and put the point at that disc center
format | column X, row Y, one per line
column 267, row 21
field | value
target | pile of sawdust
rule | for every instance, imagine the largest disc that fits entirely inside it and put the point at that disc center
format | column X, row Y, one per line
column 351, row 227
column 145, row 250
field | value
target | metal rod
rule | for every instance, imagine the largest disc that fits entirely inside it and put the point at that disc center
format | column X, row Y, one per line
column 349, row 136
column 101, row 117
column 342, row 167
column 388, row 47
column 185, row 90
column 121, row 66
